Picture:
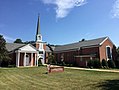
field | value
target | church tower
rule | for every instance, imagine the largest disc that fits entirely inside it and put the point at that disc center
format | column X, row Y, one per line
column 39, row 43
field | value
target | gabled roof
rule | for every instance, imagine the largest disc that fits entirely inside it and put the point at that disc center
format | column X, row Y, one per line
column 28, row 48
column 13, row 46
column 80, row 44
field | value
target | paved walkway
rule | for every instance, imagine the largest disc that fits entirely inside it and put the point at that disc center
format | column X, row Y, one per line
column 102, row 70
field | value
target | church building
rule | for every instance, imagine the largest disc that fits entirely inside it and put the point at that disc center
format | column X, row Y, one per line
column 75, row 53
column 28, row 54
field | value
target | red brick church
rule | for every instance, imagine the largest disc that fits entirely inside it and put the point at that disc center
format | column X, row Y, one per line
column 78, row 53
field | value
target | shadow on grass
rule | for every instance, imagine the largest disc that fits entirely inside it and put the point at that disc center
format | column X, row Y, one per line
column 109, row 85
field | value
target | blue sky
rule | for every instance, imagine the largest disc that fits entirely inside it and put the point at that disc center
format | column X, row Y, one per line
column 61, row 21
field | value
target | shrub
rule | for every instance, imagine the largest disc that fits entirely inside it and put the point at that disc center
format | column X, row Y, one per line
column 39, row 62
column 11, row 66
column 97, row 63
column 117, row 63
column 94, row 63
column 104, row 63
column 51, row 59
column 90, row 63
column 111, row 64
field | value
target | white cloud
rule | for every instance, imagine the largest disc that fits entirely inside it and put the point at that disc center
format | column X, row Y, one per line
column 115, row 10
column 63, row 7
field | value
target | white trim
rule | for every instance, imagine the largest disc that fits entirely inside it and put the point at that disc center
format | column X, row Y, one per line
column 18, row 57
column 31, row 59
column 35, row 58
column 25, row 46
column 110, row 52
column 25, row 59
column 104, row 40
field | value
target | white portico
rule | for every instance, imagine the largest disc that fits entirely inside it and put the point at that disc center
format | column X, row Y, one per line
column 26, row 56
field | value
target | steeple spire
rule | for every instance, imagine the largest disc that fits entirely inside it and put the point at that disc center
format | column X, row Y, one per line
column 38, row 25
column 38, row 33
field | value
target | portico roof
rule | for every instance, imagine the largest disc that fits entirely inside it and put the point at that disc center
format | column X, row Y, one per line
column 21, row 47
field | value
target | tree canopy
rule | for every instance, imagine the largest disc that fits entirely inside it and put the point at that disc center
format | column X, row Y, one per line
column 3, row 51
column 18, row 41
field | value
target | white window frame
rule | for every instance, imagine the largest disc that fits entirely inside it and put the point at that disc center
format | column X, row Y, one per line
column 107, row 52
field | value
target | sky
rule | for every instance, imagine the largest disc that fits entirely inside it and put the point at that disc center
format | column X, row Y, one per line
column 61, row 21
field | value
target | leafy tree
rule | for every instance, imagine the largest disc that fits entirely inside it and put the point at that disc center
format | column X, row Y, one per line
column 51, row 59
column 18, row 41
column 29, row 42
column 83, row 39
column 3, row 51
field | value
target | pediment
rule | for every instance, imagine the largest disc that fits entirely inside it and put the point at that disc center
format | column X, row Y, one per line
column 28, row 48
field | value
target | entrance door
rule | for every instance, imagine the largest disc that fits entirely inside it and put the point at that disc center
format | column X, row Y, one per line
column 27, row 60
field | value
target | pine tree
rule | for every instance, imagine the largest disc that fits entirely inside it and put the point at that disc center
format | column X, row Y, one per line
column 3, row 51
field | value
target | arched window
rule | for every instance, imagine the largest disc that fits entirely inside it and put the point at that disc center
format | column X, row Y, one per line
column 109, row 52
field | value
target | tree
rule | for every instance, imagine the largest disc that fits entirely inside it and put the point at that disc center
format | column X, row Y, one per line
column 51, row 59
column 83, row 39
column 18, row 41
column 3, row 51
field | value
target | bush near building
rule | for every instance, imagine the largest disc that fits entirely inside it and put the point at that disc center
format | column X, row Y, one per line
column 94, row 63
column 104, row 63
column 111, row 64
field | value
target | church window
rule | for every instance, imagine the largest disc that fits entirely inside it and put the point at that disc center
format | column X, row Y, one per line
column 108, row 51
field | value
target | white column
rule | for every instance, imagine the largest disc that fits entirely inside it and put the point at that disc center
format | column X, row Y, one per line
column 35, row 59
column 31, row 59
column 25, row 59
column 17, row 58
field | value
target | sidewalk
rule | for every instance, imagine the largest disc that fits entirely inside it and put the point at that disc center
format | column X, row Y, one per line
column 102, row 70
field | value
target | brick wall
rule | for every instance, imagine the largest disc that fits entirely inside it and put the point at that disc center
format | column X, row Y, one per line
column 102, row 48
column 69, row 56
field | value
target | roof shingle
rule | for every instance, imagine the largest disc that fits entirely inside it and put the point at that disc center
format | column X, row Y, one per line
column 80, row 44
column 13, row 46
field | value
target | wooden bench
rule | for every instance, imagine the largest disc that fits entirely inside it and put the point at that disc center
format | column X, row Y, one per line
column 55, row 68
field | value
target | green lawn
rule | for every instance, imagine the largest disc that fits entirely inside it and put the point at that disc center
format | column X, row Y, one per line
column 35, row 78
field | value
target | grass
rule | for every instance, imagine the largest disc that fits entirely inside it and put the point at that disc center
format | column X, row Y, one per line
column 35, row 78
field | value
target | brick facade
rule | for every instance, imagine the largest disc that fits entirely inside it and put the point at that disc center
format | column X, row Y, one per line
column 102, row 50
column 81, row 57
